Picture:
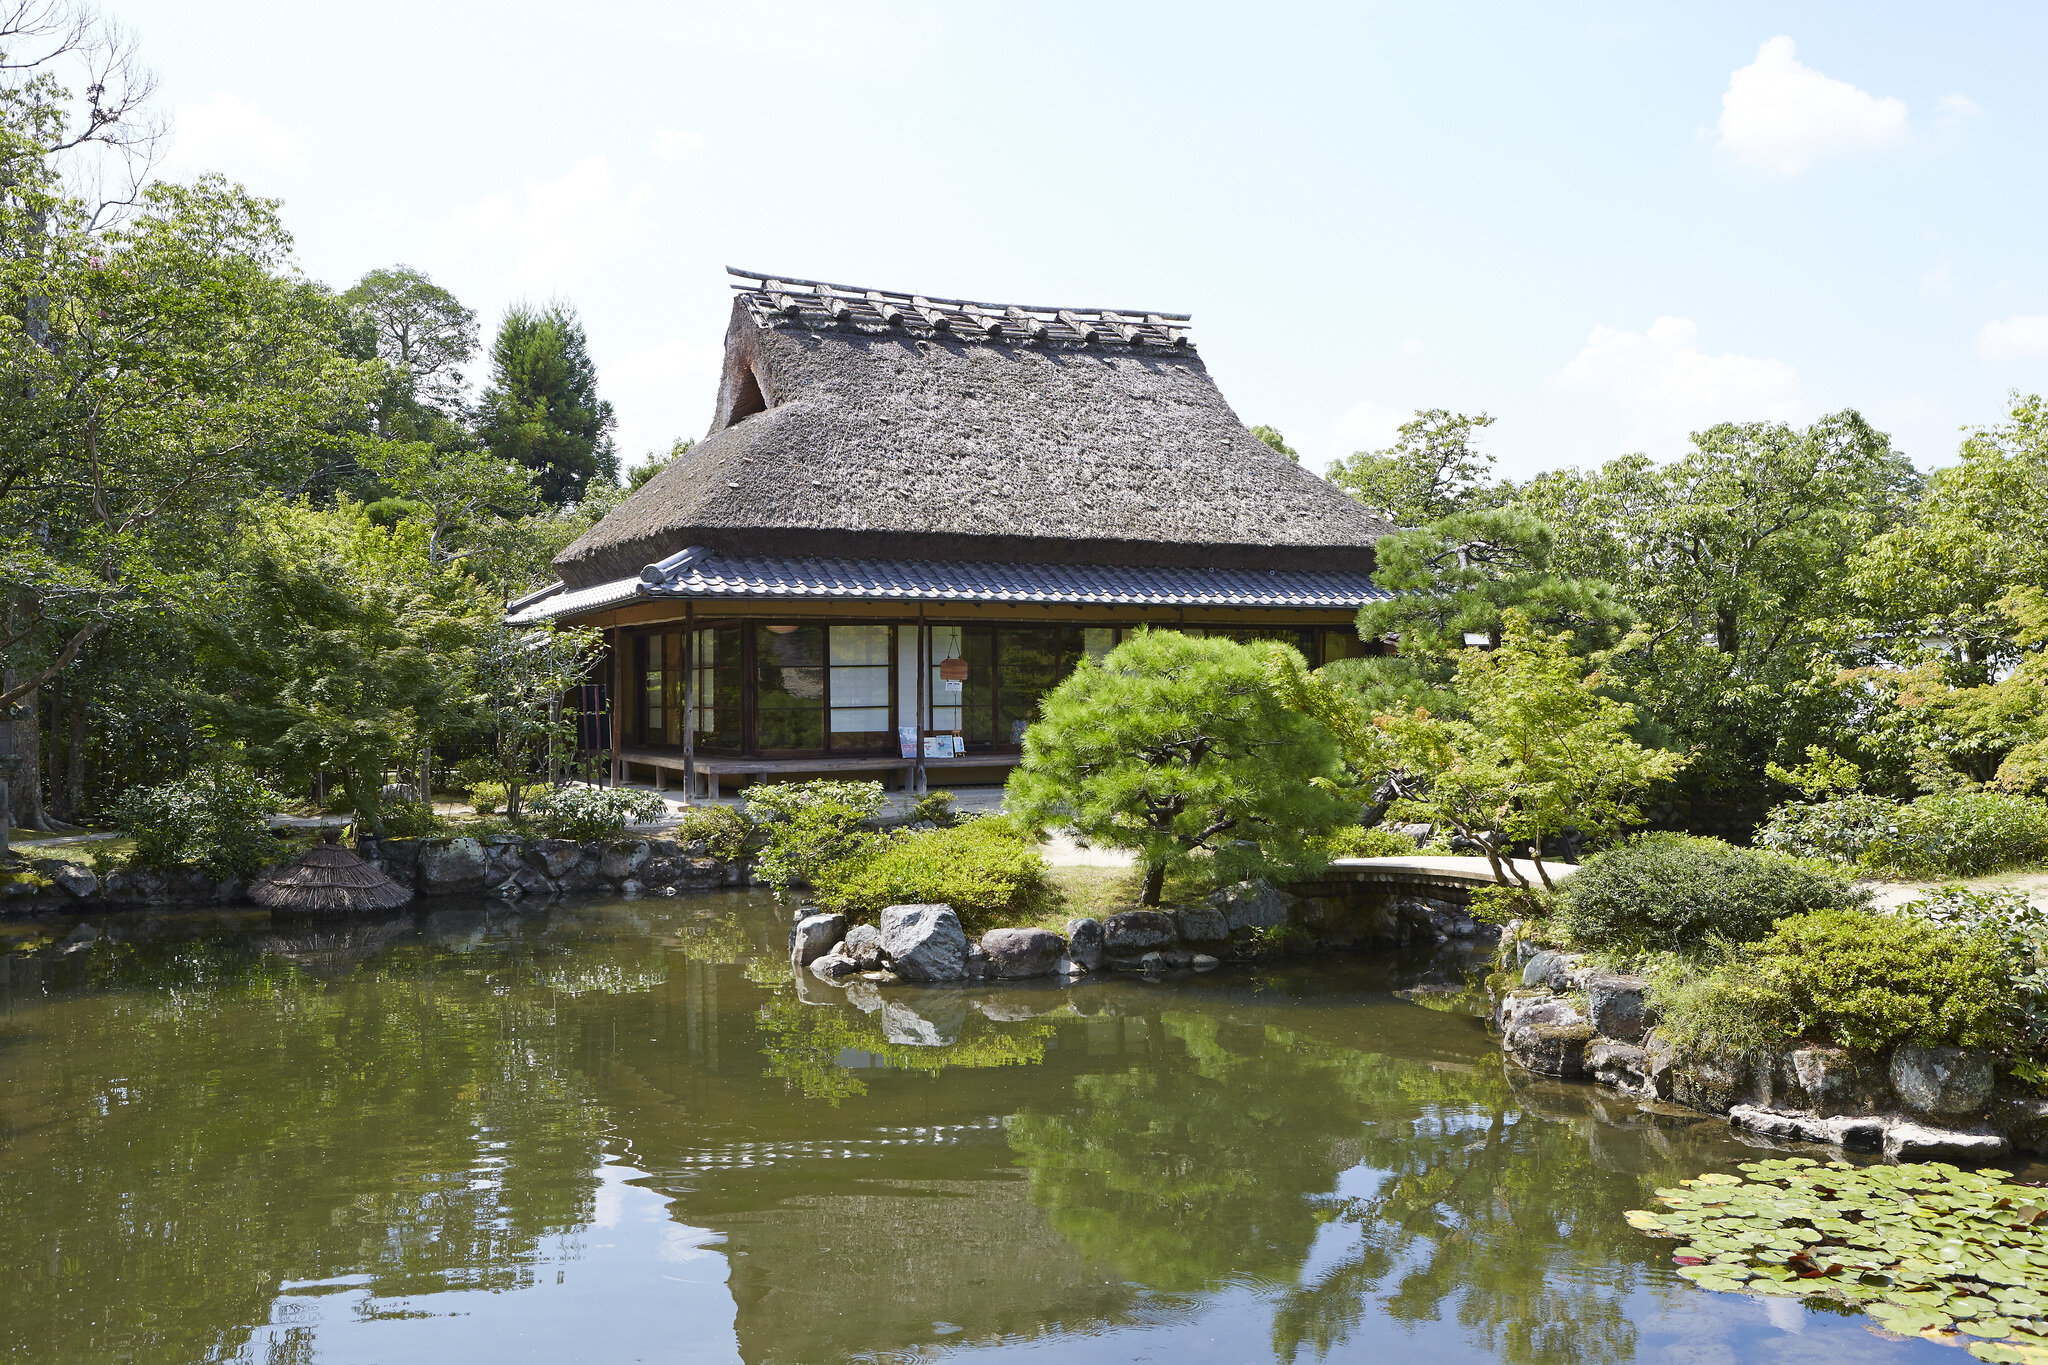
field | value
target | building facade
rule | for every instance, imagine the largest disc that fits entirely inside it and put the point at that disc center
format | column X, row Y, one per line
column 913, row 516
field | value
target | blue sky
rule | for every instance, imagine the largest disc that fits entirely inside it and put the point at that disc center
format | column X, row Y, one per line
column 1606, row 225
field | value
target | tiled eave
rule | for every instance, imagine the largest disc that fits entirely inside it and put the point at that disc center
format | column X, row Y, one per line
column 703, row 576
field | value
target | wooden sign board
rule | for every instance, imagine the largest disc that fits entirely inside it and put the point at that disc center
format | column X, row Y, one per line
column 953, row 669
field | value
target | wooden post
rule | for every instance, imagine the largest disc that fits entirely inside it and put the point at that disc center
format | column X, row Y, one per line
column 689, row 703
column 923, row 681
column 618, row 702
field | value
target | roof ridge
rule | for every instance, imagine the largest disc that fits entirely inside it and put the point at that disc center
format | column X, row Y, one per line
column 823, row 303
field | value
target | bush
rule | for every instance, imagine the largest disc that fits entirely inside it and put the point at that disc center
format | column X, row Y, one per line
column 411, row 820
column 213, row 819
column 1841, row 830
column 985, row 869
column 723, row 830
column 806, row 827
column 1859, row 978
column 1955, row 833
column 488, row 798
column 1673, row 892
column 935, row 808
column 590, row 813
column 1367, row 841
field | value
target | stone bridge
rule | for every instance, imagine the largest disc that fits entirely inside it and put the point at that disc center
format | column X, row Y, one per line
column 1415, row 900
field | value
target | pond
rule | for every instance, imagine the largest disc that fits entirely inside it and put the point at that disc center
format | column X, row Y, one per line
column 619, row 1132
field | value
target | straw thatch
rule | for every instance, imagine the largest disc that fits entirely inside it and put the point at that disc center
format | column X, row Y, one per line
column 329, row 877
column 849, row 426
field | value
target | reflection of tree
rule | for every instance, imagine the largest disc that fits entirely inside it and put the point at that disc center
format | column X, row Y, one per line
column 806, row 1047
column 206, row 1119
column 1185, row 1170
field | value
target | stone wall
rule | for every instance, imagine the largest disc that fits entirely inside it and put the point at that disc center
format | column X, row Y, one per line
column 1558, row 1017
column 507, row 866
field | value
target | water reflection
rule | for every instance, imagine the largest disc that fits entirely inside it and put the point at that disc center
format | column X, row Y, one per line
column 621, row 1130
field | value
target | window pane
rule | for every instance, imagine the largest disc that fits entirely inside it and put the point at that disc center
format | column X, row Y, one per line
column 854, row 720
column 1097, row 641
column 860, row 645
column 1027, row 666
column 860, row 687
column 789, row 666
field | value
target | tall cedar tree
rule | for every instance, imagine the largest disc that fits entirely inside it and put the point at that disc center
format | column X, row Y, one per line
column 542, row 408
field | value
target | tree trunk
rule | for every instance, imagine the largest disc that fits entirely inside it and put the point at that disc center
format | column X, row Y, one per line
column 1155, row 882
column 74, row 753
column 28, row 731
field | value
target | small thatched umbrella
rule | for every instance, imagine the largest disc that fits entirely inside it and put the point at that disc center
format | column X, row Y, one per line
column 329, row 877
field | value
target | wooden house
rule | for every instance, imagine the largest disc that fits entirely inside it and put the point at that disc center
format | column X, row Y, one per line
column 913, row 515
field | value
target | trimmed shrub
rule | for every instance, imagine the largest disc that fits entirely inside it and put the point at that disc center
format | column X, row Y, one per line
column 1955, row 833
column 723, row 830
column 935, row 808
column 411, row 820
column 1674, row 892
column 806, row 827
column 1859, row 978
column 591, row 813
column 985, row 869
column 213, row 819
column 1367, row 841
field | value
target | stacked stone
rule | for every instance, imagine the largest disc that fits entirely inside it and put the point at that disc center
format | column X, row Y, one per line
column 1561, row 1018
column 512, row 867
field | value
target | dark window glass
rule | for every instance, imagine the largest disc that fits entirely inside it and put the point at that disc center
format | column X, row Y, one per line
column 789, row 681
column 653, row 729
column 718, row 688
column 1027, row 666
column 1342, row 644
column 977, row 696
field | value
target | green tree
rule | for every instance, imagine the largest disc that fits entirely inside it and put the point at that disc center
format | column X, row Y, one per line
column 339, row 646
column 654, row 461
column 1179, row 748
column 1429, row 472
column 1272, row 437
column 1735, row 558
column 542, row 408
column 1458, row 578
column 421, row 330
column 1931, row 587
column 522, row 675
column 1543, row 752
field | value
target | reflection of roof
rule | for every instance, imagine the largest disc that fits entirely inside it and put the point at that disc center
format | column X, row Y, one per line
column 705, row 575
column 859, row 423
column 734, row 1155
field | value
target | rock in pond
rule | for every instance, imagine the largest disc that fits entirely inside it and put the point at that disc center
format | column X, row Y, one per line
column 864, row 945
column 554, row 857
column 1202, row 924
column 1621, row 1066
column 1941, row 1080
column 1132, row 933
column 925, row 942
column 1022, row 952
column 451, row 865
column 1619, row 1006
column 1823, row 1079
column 1917, row 1142
column 1252, row 905
column 834, row 966
column 813, row 936
column 1550, row 1039
column 1084, row 942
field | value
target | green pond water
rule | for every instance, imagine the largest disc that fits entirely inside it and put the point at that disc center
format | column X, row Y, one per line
column 620, row 1132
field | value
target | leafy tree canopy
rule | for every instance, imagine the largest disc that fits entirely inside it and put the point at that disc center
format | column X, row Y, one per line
column 1429, row 472
column 421, row 330
column 542, row 408
column 1272, row 437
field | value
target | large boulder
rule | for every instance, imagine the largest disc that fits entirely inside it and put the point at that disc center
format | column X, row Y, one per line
column 1551, row 1040
column 1022, row 952
column 813, row 936
column 833, row 966
column 1620, row 1066
column 1712, row 1082
column 1822, row 1079
column 1133, row 933
column 75, row 881
column 450, row 866
column 1253, row 905
column 554, row 857
column 1619, row 1006
column 925, row 942
column 1917, row 1142
column 1084, row 942
column 622, row 859
column 864, row 945
column 1941, row 1080
column 1201, row 924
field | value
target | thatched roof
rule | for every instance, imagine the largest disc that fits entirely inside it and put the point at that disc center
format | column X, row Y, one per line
column 866, row 425
column 329, row 877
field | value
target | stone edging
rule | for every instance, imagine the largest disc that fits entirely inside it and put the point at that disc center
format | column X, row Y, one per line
column 1557, row 1017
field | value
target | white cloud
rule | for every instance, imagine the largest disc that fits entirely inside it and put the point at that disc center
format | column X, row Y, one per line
column 548, row 231
column 1363, row 426
column 1781, row 116
column 668, row 389
column 1667, row 387
column 225, row 132
column 673, row 144
column 2015, row 338
column 1953, row 110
